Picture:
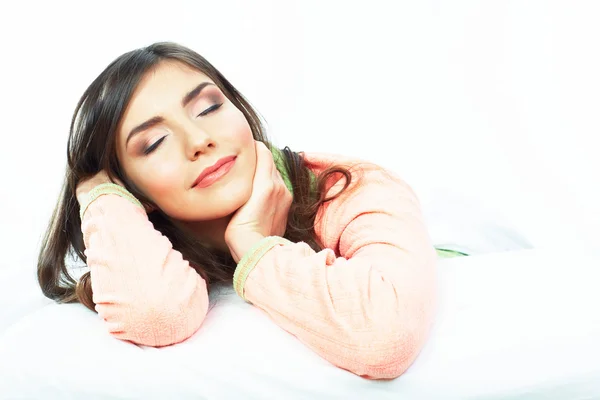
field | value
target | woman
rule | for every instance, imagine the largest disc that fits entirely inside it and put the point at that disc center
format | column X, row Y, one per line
column 172, row 186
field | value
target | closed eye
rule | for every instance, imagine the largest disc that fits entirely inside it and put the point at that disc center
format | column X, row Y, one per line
column 210, row 109
column 153, row 147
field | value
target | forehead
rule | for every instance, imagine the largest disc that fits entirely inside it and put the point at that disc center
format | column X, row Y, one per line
column 166, row 77
column 160, row 90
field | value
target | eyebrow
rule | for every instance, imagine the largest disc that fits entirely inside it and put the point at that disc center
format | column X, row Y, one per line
column 192, row 94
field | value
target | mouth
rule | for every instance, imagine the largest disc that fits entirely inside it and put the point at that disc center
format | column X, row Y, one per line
column 215, row 172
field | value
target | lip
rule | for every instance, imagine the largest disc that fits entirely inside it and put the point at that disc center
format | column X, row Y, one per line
column 215, row 172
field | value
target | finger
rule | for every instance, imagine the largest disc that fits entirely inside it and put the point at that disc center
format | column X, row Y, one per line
column 280, row 183
column 275, row 175
column 264, row 164
column 260, row 158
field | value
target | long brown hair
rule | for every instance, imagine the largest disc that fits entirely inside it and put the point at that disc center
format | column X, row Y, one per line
column 92, row 148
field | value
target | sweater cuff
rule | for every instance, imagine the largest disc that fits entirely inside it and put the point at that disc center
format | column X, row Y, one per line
column 103, row 189
column 251, row 258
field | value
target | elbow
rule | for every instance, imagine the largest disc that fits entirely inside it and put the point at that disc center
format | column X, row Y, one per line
column 393, row 341
column 388, row 359
column 156, row 323
column 164, row 326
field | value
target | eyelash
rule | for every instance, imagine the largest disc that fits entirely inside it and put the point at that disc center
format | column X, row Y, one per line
column 153, row 147
column 210, row 109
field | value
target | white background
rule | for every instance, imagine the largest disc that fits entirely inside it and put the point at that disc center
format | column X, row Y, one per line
column 497, row 100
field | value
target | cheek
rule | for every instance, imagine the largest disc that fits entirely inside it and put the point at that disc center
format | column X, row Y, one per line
column 161, row 183
column 239, row 130
column 246, row 143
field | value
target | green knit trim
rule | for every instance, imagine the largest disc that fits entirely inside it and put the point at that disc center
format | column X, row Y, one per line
column 279, row 160
column 251, row 258
column 445, row 253
column 103, row 189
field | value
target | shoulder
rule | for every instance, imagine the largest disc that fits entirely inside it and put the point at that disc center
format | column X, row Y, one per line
column 373, row 191
column 321, row 161
column 363, row 172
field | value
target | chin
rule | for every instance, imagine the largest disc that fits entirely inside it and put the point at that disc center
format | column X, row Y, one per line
column 224, row 207
column 230, row 204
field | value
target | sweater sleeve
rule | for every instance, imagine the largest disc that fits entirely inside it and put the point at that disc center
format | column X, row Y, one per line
column 143, row 289
column 365, row 303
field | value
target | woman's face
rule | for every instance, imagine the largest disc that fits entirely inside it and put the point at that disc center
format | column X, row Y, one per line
column 177, row 124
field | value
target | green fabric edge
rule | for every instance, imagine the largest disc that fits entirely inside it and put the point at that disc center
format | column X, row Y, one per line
column 445, row 253
column 244, row 267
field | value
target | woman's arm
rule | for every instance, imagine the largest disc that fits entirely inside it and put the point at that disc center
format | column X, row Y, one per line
column 143, row 289
column 365, row 303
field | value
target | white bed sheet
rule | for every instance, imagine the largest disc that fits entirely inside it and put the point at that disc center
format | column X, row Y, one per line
column 515, row 325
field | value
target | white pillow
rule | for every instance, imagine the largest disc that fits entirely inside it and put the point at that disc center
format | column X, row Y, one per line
column 522, row 324
column 457, row 222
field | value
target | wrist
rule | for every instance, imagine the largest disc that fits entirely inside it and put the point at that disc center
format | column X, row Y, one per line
column 250, row 260
column 84, row 189
column 106, row 188
column 242, row 242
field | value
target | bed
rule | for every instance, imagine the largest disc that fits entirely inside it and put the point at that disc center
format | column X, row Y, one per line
column 512, row 323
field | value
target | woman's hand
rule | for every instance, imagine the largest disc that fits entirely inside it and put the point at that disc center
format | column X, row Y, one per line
column 86, row 185
column 265, row 213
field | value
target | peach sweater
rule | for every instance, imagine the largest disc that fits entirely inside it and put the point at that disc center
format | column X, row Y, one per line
column 364, row 303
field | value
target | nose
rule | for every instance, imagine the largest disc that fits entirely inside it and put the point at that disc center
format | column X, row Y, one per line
column 198, row 141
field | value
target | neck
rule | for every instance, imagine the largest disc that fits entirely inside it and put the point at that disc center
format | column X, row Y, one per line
column 211, row 233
